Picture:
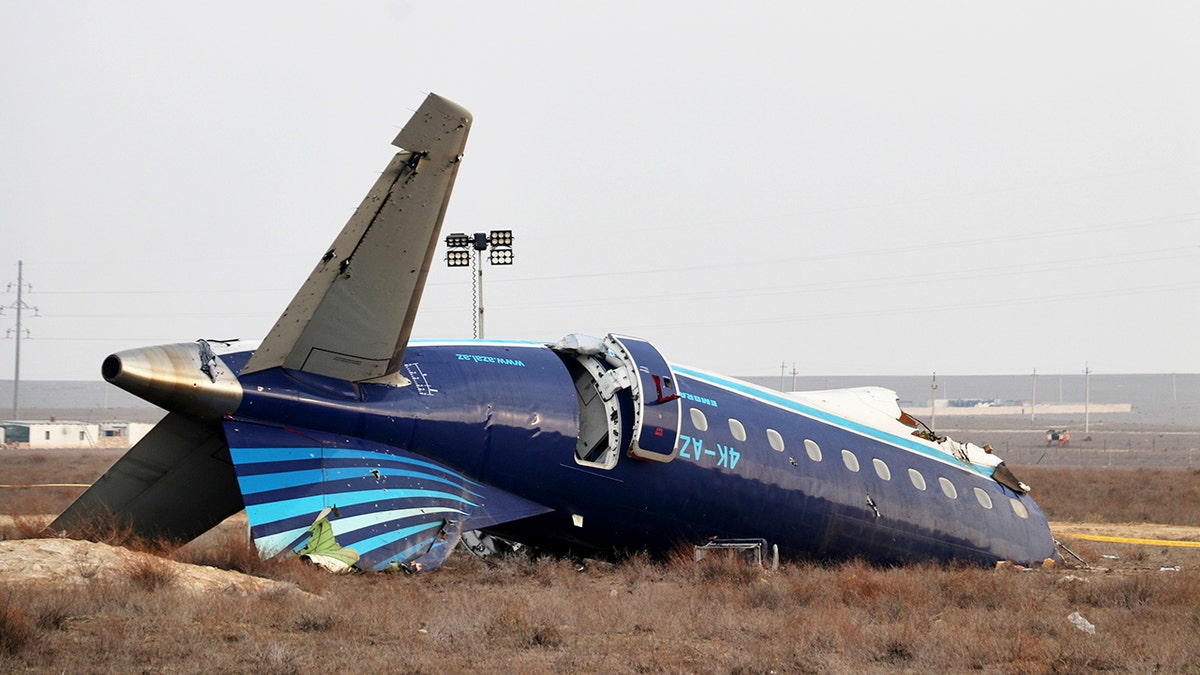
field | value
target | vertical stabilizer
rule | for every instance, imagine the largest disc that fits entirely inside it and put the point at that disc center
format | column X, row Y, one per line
column 352, row 317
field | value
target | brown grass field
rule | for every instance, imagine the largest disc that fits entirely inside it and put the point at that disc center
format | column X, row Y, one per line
column 533, row 615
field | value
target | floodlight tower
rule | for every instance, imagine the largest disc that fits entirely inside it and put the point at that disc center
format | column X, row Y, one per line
column 498, row 244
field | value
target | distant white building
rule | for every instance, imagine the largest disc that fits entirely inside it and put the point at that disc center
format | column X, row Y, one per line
column 50, row 434
column 122, row 434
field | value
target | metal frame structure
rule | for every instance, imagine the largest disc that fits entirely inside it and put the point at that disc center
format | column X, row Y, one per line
column 498, row 244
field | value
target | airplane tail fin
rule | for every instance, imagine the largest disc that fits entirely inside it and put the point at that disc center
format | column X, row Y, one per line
column 352, row 317
column 350, row 320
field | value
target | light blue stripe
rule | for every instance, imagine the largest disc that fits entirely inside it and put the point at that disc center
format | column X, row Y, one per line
column 265, row 482
column 253, row 457
column 782, row 401
column 344, row 526
column 368, row 545
column 265, row 514
column 405, row 555
column 350, row 453
column 274, row 543
column 249, row 455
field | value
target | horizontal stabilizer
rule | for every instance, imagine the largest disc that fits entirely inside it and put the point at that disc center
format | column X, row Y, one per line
column 352, row 317
column 390, row 506
column 176, row 483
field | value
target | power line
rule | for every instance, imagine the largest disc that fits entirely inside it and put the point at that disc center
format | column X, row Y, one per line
column 920, row 309
column 890, row 282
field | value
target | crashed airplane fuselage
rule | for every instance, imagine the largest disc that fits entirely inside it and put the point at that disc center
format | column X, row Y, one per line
column 338, row 428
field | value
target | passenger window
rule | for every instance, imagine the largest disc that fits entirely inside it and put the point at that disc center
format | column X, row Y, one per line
column 698, row 420
column 775, row 439
column 917, row 479
column 881, row 469
column 849, row 460
column 1019, row 508
column 984, row 499
column 736, row 428
column 813, row 450
column 948, row 488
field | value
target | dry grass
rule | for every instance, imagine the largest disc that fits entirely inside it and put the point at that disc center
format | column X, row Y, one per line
column 149, row 572
column 49, row 468
column 545, row 615
column 1099, row 494
column 540, row 615
column 16, row 628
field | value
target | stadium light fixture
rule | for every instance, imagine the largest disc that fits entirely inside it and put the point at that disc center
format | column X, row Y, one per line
column 498, row 244
column 457, row 240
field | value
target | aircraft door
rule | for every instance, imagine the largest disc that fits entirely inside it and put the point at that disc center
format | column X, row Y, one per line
column 656, row 405
column 628, row 399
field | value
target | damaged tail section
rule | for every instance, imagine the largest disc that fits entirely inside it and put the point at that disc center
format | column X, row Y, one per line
column 350, row 321
column 352, row 317
column 322, row 548
column 317, row 493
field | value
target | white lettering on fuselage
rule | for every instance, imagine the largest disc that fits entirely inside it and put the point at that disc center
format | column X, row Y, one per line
column 479, row 358
column 693, row 448
column 698, row 399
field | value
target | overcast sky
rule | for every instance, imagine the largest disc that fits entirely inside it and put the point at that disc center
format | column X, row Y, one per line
column 854, row 188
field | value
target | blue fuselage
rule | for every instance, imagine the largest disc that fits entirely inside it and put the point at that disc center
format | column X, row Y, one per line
column 752, row 463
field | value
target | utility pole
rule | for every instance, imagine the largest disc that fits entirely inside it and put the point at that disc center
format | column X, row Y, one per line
column 1087, row 395
column 19, row 306
column 1033, row 403
column 782, row 372
column 933, row 403
column 794, row 374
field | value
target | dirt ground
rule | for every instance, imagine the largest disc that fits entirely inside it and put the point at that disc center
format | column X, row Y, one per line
column 1119, row 607
column 1182, row 553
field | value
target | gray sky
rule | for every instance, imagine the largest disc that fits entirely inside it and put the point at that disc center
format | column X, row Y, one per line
column 850, row 187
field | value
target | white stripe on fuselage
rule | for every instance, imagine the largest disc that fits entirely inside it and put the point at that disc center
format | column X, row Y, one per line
column 784, row 402
column 769, row 397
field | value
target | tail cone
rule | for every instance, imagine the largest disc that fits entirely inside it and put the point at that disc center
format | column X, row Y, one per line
column 185, row 378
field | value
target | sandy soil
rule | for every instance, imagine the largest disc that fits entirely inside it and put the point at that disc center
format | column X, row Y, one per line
column 1129, row 557
column 1130, row 530
column 67, row 561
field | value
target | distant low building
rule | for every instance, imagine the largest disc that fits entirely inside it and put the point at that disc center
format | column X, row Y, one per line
column 122, row 434
column 50, row 434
